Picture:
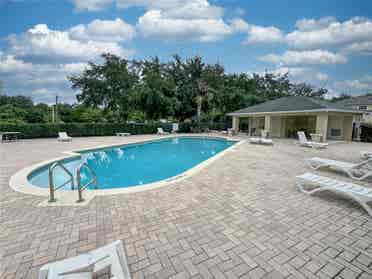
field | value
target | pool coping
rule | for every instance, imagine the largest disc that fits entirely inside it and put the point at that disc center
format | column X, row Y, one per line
column 20, row 183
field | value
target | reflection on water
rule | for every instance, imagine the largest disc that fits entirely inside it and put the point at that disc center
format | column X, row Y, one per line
column 119, row 152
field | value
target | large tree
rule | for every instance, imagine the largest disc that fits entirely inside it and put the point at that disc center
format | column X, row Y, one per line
column 178, row 89
column 154, row 94
column 108, row 85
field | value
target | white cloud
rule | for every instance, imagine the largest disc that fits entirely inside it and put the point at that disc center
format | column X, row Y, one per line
column 42, row 82
column 310, row 57
column 103, row 31
column 91, row 5
column 327, row 33
column 28, row 73
column 155, row 24
column 52, row 74
column 315, row 24
column 190, row 9
column 196, row 20
column 73, row 68
column 363, row 48
column 302, row 74
column 239, row 25
column 355, row 86
column 39, row 60
column 9, row 64
column 257, row 34
column 260, row 34
column 47, row 95
column 170, row 8
column 42, row 42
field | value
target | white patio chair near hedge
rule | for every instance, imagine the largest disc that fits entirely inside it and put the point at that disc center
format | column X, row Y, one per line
column 161, row 132
column 302, row 139
column 62, row 136
column 360, row 194
column 359, row 171
column 109, row 260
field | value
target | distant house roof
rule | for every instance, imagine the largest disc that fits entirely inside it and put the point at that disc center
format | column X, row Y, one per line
column 292, row 104
column 356, row 101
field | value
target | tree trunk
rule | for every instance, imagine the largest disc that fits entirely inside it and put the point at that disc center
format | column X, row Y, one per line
column 199, row 101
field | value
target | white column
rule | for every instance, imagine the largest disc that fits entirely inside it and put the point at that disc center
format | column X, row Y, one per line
column 235, row 124
column 250, row 126
column 322, row 125
column 268, row 123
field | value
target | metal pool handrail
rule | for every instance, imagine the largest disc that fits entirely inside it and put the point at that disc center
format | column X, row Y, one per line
column 81, row 188
column 52, row 187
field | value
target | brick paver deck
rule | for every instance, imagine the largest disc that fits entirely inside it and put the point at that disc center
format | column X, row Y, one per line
column 241, row 217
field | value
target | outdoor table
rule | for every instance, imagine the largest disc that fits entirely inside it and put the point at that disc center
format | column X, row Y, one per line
column 9, row 136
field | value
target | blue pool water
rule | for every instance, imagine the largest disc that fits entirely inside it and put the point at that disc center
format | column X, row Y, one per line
column 137, row 164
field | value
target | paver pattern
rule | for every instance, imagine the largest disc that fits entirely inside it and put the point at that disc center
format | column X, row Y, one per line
column 241, row 217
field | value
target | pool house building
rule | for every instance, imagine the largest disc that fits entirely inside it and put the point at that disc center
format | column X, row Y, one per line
column 283, row 117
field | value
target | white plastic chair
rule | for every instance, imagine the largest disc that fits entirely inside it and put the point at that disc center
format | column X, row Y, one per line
column 62, row 136
column 360, row 194
column 175, row 128
column 304, row 142
column 83, row 266
column 359, row 171
column 161, row 132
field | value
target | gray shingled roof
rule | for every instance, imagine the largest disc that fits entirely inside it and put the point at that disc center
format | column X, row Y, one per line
column 288, row 104
column 356, row 101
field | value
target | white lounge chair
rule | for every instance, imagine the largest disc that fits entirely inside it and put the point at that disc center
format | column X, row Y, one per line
column 262, row 140
column 161, row 132
column 358, row 171
column 108, row 257
column 360, row 194
column 304, row 142
column 62, row 136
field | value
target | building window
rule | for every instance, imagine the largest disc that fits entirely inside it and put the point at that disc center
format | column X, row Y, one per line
column 362, row 107
column 335, row 132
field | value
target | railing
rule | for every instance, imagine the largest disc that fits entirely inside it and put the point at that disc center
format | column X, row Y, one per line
column 81, row 188
column 52, row 187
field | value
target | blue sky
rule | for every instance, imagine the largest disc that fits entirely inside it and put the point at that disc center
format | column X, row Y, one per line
column 326, row 43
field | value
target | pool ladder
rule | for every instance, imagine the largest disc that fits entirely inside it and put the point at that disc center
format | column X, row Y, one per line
column 81, row 188
column 52, row 187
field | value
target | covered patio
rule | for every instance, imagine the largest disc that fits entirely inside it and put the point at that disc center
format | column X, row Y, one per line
column 282, row 118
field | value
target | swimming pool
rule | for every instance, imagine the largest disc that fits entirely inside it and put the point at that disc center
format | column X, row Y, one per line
column 137, row 164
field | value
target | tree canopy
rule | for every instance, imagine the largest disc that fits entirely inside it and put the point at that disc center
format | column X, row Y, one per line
column 119, row 90
column 179, row 89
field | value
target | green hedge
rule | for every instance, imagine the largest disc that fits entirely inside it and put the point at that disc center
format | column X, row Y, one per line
column 189, row 127
column 29, row 131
